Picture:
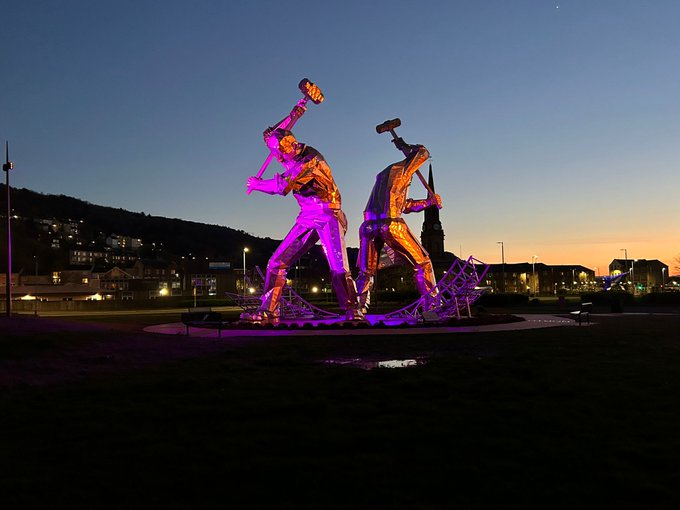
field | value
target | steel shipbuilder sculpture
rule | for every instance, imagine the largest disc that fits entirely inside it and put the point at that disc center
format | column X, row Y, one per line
column 309, row 178
column 383, row 224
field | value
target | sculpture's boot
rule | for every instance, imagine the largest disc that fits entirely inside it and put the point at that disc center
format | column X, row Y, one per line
column 364, row 284
column 425, row 282
column 271, row 295
column 346, row 292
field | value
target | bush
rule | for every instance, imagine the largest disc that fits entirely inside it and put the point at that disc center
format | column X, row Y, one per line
column 489, row 299
column 661, row 298
column 608, row 298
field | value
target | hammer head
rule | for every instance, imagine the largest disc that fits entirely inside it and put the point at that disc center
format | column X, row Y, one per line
column 311, row 91
column 388, row 125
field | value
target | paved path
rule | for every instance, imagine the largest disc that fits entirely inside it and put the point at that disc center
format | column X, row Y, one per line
column 532, row 321
column 115, row 313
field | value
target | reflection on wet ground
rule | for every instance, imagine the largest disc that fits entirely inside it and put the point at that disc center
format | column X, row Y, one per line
column 372, row 364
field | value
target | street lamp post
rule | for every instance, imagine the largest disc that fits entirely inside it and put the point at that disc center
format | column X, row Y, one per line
column 245, row 250
column 663, row 278
column 35, row 287
column 632, row 274
column 503, row 264
column 184, row 275
column 6, row 167
column 534, row 258
column 625, row 254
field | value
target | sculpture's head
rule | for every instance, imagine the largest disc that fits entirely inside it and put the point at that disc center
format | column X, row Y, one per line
column 283, row 144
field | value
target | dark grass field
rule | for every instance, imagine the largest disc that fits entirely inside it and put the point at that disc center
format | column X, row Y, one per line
column 97, row 414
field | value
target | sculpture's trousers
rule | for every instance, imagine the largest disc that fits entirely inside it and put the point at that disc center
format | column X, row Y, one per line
column 327, row 226
column 395, row 234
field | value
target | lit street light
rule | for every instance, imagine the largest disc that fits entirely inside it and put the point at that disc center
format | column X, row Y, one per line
column 663, row 278
column 632, row 274
column 245, row 250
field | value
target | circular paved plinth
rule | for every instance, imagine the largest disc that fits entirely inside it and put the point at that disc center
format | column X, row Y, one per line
column 534, row 321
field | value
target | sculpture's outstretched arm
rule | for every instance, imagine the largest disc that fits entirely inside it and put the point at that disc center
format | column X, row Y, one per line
column 419, row 205
column 287, row 122
column 274, row 186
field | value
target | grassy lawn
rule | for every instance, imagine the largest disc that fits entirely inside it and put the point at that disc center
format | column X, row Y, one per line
column 557, row 418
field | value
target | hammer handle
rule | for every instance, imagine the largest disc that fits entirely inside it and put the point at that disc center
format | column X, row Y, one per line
column 271, row 154
column 263, row 168
column 265, row 165
column 427, row 186
column 420, row 176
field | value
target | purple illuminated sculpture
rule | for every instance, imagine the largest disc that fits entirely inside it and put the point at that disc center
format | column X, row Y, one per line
column 383, row 224
column 321, row 218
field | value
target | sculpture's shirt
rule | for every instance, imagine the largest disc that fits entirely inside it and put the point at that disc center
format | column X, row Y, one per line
column 388, row 196
column 310, row 179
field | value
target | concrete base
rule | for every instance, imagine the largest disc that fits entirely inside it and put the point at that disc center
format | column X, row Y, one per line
column 311, row 328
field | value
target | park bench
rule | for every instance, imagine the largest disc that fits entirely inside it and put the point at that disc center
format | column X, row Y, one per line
column 202, row 318
column 582, row 313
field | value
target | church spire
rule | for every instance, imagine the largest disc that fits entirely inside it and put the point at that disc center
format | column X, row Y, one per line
column 432, row 235
column 431, row 213
column 430, row 178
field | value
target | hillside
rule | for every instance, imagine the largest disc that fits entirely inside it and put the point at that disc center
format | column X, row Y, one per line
column 163, row 238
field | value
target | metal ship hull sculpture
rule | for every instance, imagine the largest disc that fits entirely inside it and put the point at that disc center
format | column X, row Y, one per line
column 321, row 219
column 456, row 291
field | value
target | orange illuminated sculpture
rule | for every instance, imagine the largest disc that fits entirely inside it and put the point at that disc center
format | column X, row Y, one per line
column 383, row 224
column 308, row 176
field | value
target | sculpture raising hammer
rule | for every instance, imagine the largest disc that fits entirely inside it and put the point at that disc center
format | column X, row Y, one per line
column 309, row 178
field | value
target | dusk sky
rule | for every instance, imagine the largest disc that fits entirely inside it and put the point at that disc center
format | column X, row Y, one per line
column 554, row 126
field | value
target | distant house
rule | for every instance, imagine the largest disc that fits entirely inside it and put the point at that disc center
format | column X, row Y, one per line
column 539, row 278
column 643, row 275
column 115, row 284
column 123, row 242
column 68, row 285
column 86, row 256
column 155, row 278
column 672, row 284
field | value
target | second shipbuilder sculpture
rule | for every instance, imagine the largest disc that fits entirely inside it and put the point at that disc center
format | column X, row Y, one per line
column 383, row 224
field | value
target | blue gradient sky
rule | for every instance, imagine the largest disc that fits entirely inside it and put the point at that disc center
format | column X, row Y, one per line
column 554, row 126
